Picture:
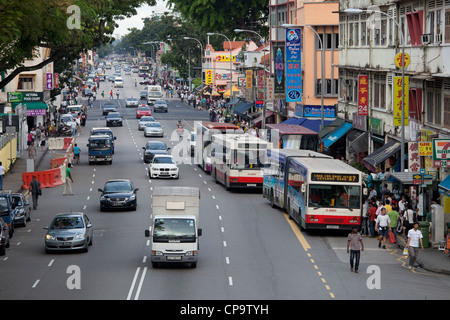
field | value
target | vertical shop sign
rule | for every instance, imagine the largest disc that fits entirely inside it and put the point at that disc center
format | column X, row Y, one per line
column 249, row 79
column 398, row 101
column 363, row 95
column 293, row 65
column 208, row 77
column 279, row 72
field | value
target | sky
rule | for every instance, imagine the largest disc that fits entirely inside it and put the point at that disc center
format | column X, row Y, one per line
column 136, row 21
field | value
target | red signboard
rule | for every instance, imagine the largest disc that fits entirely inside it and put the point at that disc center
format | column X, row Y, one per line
column 363, row 95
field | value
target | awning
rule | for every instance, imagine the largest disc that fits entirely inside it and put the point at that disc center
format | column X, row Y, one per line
column 330, row 127
column 381, row 154
column 239, row 110
column 226, row 94
column 259, row 119
column 336, row 134
column 360, row 144
column 312, row 124
column 444, row 186
column 407, row 177
column 232, row 102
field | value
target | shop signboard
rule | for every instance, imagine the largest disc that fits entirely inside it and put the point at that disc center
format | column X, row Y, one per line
column 279, row 72
column 248, row 79
column 363, row 95
column 293, row 65
column 208, row 77
column 25, row 97
column 441, row 153
column 398, row 101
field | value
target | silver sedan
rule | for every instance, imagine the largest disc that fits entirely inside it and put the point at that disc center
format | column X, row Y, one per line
column 69, row 231
column 153, row 129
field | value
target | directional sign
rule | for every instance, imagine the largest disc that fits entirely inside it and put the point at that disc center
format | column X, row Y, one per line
column 427, row 179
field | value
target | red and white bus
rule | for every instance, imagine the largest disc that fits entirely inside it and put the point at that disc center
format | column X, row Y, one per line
column 237, row 160
column 317, row 191
column 204, row 131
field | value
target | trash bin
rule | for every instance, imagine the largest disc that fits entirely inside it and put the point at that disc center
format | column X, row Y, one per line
column 424, row 227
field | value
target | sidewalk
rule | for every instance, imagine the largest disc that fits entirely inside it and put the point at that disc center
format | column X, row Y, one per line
column 13, row 181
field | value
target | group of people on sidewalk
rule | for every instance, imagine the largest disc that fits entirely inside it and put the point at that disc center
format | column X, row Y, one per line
column 385, row 218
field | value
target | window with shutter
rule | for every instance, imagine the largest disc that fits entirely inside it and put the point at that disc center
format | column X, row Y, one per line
column 446, row 111
column 415, row 26
column 447, row 26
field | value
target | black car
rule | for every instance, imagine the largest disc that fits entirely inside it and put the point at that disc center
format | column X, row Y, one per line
column 143, row 95
column 118, row 193
column 160, row 105
column 109, row 107
column 22, row 209
column 113, row 119
column 4, row 237
column 154, row 147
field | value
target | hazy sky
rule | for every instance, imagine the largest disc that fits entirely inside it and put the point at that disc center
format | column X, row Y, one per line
column 136, row 21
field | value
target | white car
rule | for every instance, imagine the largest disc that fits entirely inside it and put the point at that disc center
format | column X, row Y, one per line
column 144, row 120
column 118, row 82
column 163, row 166
column 132, row 102
column 153, row 129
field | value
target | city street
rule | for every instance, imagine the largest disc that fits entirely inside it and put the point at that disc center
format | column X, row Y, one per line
column 248, row 250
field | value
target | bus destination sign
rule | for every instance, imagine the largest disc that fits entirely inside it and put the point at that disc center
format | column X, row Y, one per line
column 334, row 177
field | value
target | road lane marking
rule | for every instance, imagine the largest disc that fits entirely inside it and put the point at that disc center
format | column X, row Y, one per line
column 51, row 262
column 36, row 283
column 133, row 283
column 136, row 297
column 297, row 232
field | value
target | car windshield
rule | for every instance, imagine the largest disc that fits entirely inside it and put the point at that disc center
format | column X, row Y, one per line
column 67, row 223
column 143, row 108
column 160, row 102
column 153, row 124
column 156, row 146
column 113, row 115
column 99, row 143
column 147, row 119
column 16, row 201
column 109, row 106
column 163, row 160
column 3, row 205
column 118, row 186
column 132, row 99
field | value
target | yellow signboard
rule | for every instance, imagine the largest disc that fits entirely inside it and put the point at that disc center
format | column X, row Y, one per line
column 225, row 58
column 425, row 148
column 400, row 63
column 398, row 101
column 248, row 79
column 208, row 77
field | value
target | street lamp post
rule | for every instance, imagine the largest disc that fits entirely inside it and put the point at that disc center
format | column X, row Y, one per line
column 231, row 60
column 263, row 123
column 322, row 71
column 357, row 11
column 201, row 53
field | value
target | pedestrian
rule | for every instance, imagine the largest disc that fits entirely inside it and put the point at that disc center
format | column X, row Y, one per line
column 103, row 94
column 414, row 239
column 110, row 95
column 372, row 217
column 382, row 225
column 365, row 218
column 32, row 150
column 43, row 141
column 408, row 218
column 69, row 181
column 355, row 244
column 2, row 174
column 394, row 216
column 117, row 94
column 35, row 190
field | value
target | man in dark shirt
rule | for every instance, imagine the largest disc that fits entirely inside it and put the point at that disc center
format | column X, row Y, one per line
column 35, row 190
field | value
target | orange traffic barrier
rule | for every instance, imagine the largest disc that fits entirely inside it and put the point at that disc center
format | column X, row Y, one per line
column 67, row 142
column 47, row 178
column 55, row 163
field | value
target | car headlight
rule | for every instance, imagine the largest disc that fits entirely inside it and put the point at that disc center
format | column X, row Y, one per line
column 191, row 253
column 79, row 236
column 20, row 212
column 174, row 169
column 132, row 197
column 49, row 237
column 156, row 253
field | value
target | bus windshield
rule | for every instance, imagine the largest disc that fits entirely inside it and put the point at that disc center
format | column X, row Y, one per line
column 334, row 196
column 297, row 141
column 249, row 159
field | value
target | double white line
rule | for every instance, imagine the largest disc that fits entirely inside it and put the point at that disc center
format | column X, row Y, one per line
column 141, row 281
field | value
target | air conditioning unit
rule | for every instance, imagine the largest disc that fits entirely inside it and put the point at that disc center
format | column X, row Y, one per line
column 438, row 38
column 348, row 99
column 425, row 38
column 348, row 82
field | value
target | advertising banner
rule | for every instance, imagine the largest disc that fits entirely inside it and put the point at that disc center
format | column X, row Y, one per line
column 249, row 79
column 293, row 65
column 208, row 77
column 441, row 153
column 398, row 101
column 226, row 58
column 279, row 72
column 363, row 95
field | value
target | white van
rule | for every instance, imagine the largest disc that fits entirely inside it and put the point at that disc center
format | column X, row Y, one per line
column 118, row 82
column 74, row 110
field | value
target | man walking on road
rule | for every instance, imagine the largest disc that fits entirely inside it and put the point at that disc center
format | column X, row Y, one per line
column 35, row 190
column 414, row 239
column 382, row 225
column 69, row 181
column 355, row 244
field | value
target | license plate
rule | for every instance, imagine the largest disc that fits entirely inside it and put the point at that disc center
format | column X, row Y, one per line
column 174, row 258
column 332, row 227
column 251, row 184
column 64, row 243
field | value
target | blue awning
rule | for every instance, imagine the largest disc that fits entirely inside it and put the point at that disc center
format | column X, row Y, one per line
column 336, row 134
column 312, row 124
column 444, row 186
column 242, row 108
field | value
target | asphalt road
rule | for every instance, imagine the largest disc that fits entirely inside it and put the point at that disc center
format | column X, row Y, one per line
column 248, row 250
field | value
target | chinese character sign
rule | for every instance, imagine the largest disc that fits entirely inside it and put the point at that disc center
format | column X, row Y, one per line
column 293, row 66
column 208, row 77
column 249, row 79
column 413, row 157
column 49, row 80
column 363, row 95
column 398, row 101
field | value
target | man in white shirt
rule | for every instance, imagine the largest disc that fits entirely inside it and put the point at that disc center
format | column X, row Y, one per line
column 382, row 225
column 414, row 239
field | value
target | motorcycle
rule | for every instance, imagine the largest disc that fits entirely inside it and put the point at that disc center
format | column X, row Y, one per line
column 180, row 131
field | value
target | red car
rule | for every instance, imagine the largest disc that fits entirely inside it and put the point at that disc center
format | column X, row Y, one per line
column 143, row 110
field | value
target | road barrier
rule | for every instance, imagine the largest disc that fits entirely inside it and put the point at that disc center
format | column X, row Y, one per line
column 55, row 143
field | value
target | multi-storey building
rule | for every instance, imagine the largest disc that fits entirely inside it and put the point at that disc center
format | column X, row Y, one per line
column 369, row 40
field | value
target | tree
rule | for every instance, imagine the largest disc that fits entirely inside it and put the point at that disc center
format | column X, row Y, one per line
column 226, row 15
column 29, row 24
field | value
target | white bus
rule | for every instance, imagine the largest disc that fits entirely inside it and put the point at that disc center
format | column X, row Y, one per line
column 237, row 160
column 204, row 130
column 317, row 191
